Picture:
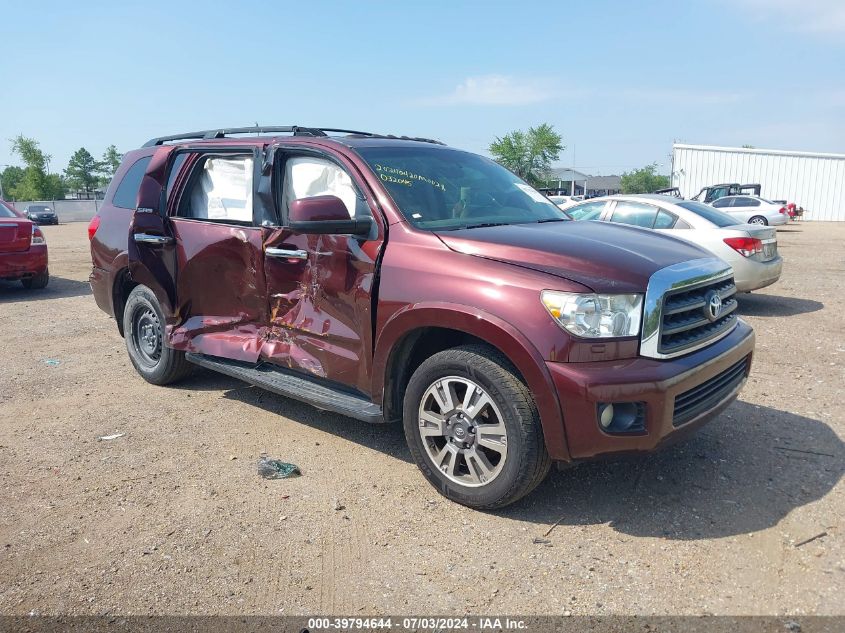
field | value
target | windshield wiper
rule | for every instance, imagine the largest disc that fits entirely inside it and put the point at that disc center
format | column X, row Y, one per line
column 483, row 225
column 554, row 220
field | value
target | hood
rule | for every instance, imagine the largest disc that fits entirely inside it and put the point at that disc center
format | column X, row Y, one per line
column 602, row 256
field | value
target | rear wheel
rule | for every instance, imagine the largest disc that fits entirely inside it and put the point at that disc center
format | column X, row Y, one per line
column 758, row 219
column 143, row 328
column 473, row 428
column 37, row 282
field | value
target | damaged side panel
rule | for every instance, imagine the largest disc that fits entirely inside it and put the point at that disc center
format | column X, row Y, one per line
column 320, row 307
column 221, row 290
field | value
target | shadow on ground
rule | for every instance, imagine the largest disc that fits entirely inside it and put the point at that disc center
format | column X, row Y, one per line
column 742, row 473
column 58, row 288
column 385, row 438
column 775, row 306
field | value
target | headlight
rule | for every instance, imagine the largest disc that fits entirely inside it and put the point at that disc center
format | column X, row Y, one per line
column 595, row 316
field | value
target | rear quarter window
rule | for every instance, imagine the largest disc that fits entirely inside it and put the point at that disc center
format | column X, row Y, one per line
column 126, row 195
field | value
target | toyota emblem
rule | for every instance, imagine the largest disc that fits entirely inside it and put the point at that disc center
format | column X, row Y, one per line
column 713, row 309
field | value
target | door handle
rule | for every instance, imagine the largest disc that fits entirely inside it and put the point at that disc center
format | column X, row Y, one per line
column 146, row 238
column 284, row 253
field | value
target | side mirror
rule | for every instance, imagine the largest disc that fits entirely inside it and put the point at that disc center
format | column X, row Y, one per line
column 325, row 215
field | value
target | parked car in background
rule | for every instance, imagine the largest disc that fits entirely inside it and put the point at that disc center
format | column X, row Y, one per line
column 564, row 202
column 753, row 209
column 41, row 214
column 23, row 250
column 502, row 335
column 751, row 250
column 714, row 192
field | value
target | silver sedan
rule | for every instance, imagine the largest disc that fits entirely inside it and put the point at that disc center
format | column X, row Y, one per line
column 752, row 250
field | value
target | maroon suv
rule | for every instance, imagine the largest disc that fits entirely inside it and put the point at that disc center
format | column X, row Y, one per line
column 390, row 278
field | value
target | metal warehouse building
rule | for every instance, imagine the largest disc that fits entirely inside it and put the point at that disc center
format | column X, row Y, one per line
column 813, row 181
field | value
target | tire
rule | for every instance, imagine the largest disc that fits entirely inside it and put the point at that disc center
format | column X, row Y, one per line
column 758, row 219
column 507, row 403
column 37, row 282
column 143, row 328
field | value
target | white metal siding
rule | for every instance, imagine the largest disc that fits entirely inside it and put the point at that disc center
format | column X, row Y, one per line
column 813, row 181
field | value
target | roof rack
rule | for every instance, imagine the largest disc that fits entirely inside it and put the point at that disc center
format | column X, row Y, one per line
column 295, row 130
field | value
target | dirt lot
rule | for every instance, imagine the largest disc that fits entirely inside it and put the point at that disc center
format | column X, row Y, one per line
column 172, row 517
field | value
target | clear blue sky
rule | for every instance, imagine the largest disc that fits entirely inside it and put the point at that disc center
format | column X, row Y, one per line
column 619, row 80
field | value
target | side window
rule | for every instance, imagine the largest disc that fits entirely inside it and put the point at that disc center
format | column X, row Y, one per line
column 126, row 196
column 750, row 202
column 309, row 176
column 219, row 189
column 665, row 220
column 721, row 203
column 635, row 213
column 587, row 211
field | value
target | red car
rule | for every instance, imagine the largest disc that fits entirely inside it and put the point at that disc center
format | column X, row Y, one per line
column 395, row 279
column 23, row 250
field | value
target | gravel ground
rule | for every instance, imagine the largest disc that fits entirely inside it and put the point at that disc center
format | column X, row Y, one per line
column 171, row 517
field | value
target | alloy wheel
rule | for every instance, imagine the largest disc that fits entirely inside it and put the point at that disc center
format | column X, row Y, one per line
column 463, row 431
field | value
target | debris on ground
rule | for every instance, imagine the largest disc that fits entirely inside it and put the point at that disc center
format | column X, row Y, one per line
column 811, row 539
column 52, row 362
column 276, row 469
column 106, row 438
column 338, row 506
column 554, row 525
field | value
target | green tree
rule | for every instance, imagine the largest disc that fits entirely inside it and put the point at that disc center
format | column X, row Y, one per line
column 9, row 179
column 644, row 180
column 109, row 164
column 32, row 186
column 55, row 187
column 82, row 169
column 529, row 154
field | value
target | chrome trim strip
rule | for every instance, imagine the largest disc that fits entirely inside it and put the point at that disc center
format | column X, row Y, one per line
column 682, row 276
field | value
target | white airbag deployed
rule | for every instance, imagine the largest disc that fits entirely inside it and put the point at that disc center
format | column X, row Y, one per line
column 224, row 190
column 308, row 177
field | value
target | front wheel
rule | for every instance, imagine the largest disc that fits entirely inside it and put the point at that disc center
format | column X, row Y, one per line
column 143, row 327
column 473, row 428
column 758, row 219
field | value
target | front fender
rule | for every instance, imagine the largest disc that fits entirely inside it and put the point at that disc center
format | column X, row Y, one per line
column 494, row 331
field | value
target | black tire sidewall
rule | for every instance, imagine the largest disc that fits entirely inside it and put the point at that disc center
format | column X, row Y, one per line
column 38, row 282
column 141, row 296
column 489, row 495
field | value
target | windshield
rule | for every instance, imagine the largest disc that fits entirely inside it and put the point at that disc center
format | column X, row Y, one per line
column 707, row 212
column 439, row 189
column 38, row 208
column 6, row 212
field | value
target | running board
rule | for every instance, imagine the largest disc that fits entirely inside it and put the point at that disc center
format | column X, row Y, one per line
column 286, row 383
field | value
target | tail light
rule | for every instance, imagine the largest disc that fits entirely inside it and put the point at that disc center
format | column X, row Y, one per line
column 37, row 236
column 745, row 246
column 93, row 225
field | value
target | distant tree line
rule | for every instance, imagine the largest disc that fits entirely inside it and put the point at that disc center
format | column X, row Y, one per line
column 530, row 155
column 33, row 181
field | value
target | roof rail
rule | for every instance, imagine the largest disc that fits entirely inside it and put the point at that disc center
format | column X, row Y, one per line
column 296, row 130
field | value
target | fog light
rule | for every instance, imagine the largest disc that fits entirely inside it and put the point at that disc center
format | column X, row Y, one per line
column 605, row 415
column 622, row 417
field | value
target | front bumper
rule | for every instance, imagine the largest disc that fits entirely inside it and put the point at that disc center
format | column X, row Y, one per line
column 28, row 263
column 656, row 383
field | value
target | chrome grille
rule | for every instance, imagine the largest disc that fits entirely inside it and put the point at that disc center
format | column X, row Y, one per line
column 675, row 318
column 687, row 320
